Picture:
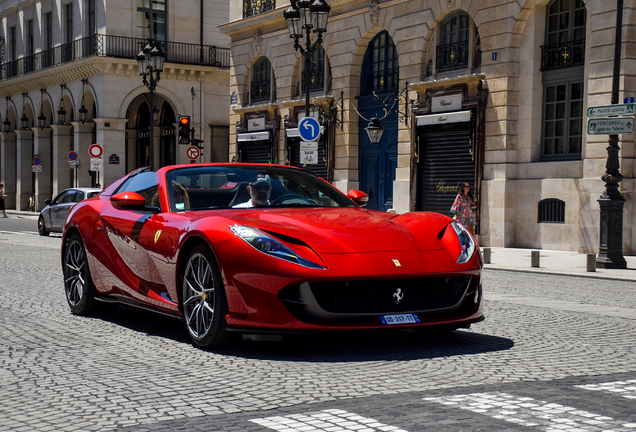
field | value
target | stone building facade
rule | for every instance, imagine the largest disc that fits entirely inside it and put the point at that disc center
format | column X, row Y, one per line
column 493, row 92
column 79, row 55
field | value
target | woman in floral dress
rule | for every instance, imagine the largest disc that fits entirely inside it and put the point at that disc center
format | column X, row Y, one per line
column 463, row 207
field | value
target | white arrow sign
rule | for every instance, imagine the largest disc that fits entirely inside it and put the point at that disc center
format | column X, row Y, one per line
column 611, row 110
column 610, row 125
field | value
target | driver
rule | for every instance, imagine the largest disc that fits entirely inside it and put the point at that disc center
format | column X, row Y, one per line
column 259, row 191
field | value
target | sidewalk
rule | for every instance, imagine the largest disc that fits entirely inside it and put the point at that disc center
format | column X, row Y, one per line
column 556, row 263
column 22, row 214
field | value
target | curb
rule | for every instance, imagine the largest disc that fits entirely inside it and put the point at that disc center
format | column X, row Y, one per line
column 554, row 273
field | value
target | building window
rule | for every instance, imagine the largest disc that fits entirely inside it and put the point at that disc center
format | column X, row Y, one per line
column 255, row 7
column 316, row 72
column 381, row 68
column 563, row 120
column 69, row 23
column 551, row 210
column 12, row 44
column 454, row 42
column 152, row 19
column 30, row 48
column 565, row 35
column 260, row 89
column 91, row 17
column 48, row 30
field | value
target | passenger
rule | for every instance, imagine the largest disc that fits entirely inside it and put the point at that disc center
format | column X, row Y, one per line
column 259, row 190
column 180, row 197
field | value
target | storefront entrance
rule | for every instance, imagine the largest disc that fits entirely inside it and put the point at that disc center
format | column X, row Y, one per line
column 446, row 158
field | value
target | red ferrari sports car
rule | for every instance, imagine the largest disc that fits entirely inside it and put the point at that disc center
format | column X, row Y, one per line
column 245, row 248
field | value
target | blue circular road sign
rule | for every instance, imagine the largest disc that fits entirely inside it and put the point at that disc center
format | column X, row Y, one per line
column 72, row 156
column 309, row 129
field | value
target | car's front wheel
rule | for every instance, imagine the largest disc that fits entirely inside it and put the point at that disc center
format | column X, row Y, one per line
column 204, row 301
column 78, row 284
column 42, row 227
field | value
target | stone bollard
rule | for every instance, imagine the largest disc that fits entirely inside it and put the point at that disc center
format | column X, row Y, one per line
column 534, row 259
column 591, row 262
column 486, row 255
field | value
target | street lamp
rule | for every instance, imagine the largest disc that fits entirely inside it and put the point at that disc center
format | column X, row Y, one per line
column 611, row 203
column 374, row 130
column 150, row 61
column 61, row 113
column 311, row 16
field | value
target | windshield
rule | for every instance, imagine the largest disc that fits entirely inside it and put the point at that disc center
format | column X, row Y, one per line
column 243, row 186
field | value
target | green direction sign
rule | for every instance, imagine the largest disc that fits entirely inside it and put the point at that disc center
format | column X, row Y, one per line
column 611, row 110
column 611, row 125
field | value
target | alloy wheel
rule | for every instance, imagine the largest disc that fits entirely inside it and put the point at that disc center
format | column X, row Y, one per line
column 199, row 296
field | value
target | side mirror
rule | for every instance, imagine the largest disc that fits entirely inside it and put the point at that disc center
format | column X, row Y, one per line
column 358, row 197
column 47, row 201
column 128, row 201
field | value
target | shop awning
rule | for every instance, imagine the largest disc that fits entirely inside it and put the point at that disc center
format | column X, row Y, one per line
column 253, row 136
column 453, row 117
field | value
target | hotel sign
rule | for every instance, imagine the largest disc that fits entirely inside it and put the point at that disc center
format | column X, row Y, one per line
column 446, row 103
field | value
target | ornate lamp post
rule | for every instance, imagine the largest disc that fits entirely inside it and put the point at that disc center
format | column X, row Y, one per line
column 150, row 62
column 612, row 202
column 307, row 15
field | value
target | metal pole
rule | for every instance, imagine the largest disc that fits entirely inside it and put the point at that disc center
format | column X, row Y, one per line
column 612, row 202
column 151, row 153
column 307, row 55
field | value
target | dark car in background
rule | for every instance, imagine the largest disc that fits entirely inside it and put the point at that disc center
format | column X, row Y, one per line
column 52, row 216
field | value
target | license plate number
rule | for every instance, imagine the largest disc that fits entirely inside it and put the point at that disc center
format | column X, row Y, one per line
column 399, row 319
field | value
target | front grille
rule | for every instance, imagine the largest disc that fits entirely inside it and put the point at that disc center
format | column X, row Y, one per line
column 363, row 299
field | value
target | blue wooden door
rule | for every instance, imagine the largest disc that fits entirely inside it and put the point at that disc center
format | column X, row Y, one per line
column 378, row 162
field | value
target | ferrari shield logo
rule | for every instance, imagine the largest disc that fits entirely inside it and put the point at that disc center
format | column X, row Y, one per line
column 397, row 263
column 157, row 234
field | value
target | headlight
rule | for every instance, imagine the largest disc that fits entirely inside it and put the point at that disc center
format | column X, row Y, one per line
column 267, row 244
column 466, row 241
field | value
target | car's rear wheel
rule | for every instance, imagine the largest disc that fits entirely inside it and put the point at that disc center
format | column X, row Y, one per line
column 78, row 284
column 204, row 301
column 42, row 227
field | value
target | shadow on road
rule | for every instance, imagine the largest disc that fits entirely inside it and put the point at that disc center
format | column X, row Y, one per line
column 390, row 344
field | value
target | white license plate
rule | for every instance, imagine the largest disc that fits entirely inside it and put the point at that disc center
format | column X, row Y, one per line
column 399, row 319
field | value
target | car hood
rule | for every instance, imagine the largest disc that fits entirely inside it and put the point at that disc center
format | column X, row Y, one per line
column 341, row 230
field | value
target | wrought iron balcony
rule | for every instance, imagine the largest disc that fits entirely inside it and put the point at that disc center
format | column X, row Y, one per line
column 260, row 90
column 452, row 56
column 255, row 7
column 114, row 46
column 316, row 80
column 563, row 55
column 382, row 81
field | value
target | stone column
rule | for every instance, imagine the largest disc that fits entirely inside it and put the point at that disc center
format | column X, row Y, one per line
column 43, row 180
column 24, row 173
column 83, row 139
column 111, row 135
column 63, row 175
column 7, row 166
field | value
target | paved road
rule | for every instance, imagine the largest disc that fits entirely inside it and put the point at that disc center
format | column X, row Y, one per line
column 531, row 366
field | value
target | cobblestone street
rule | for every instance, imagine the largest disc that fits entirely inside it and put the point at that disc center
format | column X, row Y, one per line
column 134, row 371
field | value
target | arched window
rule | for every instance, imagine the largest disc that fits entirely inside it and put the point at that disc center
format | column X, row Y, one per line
column 564, row 35
column 260, row 88
column 316, row 71
column 562, row 64
column 454, row 42
column 381, row 69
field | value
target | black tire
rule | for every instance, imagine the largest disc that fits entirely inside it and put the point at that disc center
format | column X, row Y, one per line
column 42, row 227
column 78, row 283
column 203, row 300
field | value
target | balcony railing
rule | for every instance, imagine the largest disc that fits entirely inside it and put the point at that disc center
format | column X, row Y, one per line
column 563, row 55
column 255, row 7
column 260, row 90
column 382, row 80
column 452, row 56
column 316, row 80
column 114, row 46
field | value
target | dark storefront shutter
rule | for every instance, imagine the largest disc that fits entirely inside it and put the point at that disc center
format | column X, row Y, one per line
column 319, row 169
column 445, row 161
column 255, row 151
